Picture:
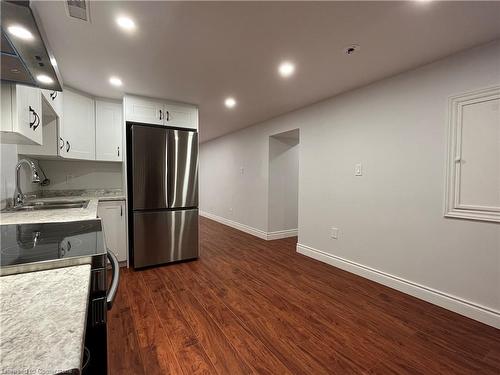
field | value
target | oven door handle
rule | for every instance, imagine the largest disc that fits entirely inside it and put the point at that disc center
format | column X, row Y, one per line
column 115, row 267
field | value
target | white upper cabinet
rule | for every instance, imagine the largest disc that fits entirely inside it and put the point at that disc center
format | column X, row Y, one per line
column 143, row 110
column 108, row 131
column 181, row 116
column 77, row 129
column 55, row 100
column 150, row 111
column 21, row 119
column 50, row 131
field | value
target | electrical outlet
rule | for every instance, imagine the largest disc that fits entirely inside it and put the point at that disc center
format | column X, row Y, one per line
column 334, row 233
column 242, row 170
column 358, row 169
column 69, row 177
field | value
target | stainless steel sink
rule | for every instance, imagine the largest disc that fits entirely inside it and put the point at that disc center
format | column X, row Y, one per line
column 49, row 205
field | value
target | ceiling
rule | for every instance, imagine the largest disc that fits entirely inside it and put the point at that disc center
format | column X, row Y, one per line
column 202, row 52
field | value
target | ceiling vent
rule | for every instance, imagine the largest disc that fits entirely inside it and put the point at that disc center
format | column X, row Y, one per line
column 79, row 9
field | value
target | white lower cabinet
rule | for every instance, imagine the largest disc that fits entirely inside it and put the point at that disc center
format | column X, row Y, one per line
column 112, row 214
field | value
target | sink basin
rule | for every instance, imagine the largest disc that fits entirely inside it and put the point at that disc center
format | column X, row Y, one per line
column 49, row 205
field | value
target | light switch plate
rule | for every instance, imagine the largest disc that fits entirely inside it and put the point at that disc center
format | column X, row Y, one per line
column 335, row 233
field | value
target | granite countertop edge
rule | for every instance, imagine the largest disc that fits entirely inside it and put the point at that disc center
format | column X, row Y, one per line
column 60, row 215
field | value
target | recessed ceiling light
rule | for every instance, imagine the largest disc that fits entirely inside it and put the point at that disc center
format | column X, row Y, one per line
column 44, row 79
column 53, row 61
column 230, row 102
column 20, row 32
column 286, row 69
column 126, row 23
column 115, row 81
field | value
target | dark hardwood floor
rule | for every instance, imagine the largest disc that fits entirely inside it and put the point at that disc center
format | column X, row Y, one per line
column 254, row 306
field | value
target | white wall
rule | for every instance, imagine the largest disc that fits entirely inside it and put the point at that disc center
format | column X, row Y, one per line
column 283, row 181
column 66, row 175
column 8, row 161
column 391, row 219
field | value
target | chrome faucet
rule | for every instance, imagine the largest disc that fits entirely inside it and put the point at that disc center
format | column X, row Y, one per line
column 18, row 194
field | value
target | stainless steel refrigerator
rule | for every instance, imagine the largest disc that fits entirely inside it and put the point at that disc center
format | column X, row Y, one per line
column 164, row 184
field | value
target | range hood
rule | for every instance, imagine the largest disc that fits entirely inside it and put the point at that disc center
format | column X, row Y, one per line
column 25, row 57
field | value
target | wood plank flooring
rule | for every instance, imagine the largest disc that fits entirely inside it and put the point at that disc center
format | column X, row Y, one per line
column 250, row 306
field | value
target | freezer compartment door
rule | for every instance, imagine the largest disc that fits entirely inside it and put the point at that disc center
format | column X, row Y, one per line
column 165, row 236
column 149, row 167
column 183, row 168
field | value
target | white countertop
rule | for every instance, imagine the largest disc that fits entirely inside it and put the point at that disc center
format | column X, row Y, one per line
column 58, row 215
column 42, row 320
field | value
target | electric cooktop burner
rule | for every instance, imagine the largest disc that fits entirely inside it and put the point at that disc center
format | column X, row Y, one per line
column 31, row 243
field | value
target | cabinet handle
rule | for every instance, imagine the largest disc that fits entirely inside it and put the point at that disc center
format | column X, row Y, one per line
column 37, row 119
column 62, row 145
column 121, row 210
column 34, row 117
column 53, row 95
column 168, row 116
column 68, row 146
column 118, row 150
column 161, row 113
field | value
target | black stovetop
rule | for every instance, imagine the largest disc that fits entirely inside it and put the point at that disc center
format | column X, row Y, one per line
column 31, row 243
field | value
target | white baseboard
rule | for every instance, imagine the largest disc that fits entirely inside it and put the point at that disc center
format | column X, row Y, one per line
column 282, row 234
column 461, row 306
column 244, row 228
column 250, row 230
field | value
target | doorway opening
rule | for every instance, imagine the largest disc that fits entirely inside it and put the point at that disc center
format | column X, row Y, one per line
column 283, row 199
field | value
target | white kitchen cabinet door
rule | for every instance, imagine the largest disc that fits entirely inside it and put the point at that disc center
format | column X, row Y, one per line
column 55, row 99
column 108, row 128
column 181, row 116
column 112, row 215
column 144, row 110
column 21, row 115
column 77, row 128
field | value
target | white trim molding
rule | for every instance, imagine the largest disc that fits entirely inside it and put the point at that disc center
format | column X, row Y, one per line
column 250, row 230
column 450, row 302
column 454, row 207
column 282, row 234
column 230, row 223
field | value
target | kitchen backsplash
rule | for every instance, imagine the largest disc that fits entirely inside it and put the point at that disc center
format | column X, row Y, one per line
column 70, row 175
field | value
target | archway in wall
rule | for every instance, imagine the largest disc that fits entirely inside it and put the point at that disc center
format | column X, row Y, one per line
column 283, row 184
